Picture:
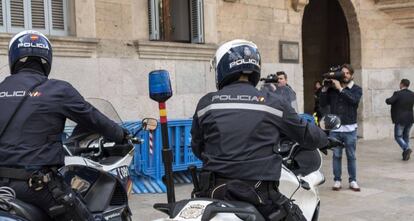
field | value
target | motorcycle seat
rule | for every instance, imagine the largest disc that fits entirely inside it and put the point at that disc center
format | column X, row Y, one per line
column 28, row 211
column 246, row 207
column 243, row 210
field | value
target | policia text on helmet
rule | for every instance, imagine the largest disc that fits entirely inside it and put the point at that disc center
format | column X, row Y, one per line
column 234, row 59
column 30, row 50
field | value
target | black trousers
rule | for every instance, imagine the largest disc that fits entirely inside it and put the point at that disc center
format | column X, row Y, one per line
column 264, row 195
column 44, row 199
column 256, row 193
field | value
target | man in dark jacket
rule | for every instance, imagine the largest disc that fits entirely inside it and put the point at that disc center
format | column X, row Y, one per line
column 343, row 98
column 286, row 90
column 33, row 113
column 278, row 84
column 402, row 102
column 235, row 131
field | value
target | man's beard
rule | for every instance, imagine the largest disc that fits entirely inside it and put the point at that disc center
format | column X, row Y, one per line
column 346, row 81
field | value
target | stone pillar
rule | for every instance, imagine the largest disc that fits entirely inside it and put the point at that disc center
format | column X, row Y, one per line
column 140, row 29
column 210, row 21
column 299, row 5
column 85, row 19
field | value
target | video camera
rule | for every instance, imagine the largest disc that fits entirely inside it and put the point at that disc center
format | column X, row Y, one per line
column 336, row 73
column 271, row 78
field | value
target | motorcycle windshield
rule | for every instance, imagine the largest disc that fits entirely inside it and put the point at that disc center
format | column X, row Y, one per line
column 74, row 131
column 106, row 108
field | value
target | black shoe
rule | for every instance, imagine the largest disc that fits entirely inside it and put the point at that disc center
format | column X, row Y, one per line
column 406, row 154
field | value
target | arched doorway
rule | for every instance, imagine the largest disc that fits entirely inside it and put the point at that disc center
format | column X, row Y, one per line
column 325, row 39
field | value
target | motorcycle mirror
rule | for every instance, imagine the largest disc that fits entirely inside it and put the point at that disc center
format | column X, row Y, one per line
column 149, row 124
column 330, row 122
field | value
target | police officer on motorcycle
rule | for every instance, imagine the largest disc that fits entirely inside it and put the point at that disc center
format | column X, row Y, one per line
column 235, row 131
column 34, row 109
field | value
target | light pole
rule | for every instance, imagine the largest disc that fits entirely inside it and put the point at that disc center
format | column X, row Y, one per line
column 160, row 91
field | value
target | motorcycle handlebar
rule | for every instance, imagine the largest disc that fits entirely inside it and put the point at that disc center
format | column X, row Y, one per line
column 332, row 142
column 129, row 142
column 136, row 140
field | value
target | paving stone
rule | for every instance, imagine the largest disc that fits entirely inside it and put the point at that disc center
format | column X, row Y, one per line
column 385, row 180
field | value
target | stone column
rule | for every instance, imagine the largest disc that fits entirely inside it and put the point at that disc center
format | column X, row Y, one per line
column 85, row 18
column 210, row 21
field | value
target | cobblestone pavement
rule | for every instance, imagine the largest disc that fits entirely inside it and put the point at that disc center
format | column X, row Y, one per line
column 387, row 188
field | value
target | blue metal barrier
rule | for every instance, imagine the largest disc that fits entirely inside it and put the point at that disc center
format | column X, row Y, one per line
column 148, row 166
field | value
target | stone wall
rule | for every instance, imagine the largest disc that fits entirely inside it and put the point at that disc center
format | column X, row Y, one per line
column 264, row 22
column 271, row 21
column 386, row 56
column 380, row 84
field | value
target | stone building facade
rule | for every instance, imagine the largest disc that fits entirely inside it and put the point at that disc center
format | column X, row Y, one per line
column 108, row 47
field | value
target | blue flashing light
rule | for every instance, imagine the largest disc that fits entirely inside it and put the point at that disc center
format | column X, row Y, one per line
column 160, row 85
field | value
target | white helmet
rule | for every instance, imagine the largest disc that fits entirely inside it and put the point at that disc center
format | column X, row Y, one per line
column 234, row 58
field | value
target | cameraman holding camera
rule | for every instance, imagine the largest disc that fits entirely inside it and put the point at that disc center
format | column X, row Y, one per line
column 342, row 95
column 278, row 84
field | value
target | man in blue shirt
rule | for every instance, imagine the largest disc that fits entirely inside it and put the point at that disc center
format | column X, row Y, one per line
column 342, row 96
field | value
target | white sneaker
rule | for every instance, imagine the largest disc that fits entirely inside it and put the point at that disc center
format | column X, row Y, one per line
column 354, row 186
column 337, row 186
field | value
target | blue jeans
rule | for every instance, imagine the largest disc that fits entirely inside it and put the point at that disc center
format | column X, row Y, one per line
column 349, row 139
column 402, row 135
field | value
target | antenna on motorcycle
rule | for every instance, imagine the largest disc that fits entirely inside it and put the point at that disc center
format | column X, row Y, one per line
column 160, row 91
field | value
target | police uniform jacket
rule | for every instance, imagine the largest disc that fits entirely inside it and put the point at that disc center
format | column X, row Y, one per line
column 236, row 129
column 33, row 136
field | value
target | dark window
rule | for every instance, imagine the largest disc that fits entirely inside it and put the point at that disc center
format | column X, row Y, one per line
column 176, row 20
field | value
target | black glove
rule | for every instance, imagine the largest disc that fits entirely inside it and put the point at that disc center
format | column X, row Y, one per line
column 324, row 150
column 127, row 136
column 332, row 142
column 130, row 139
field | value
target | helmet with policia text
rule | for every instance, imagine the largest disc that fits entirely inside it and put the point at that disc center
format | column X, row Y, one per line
column 30, row 44
column 235, row 58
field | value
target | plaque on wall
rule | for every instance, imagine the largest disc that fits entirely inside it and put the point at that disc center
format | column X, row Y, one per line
column 288, row 52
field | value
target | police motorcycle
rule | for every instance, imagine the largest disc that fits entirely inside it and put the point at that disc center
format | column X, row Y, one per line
column 299, row 180
column 97, row 170
column 103, row 165
column 301, row 171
